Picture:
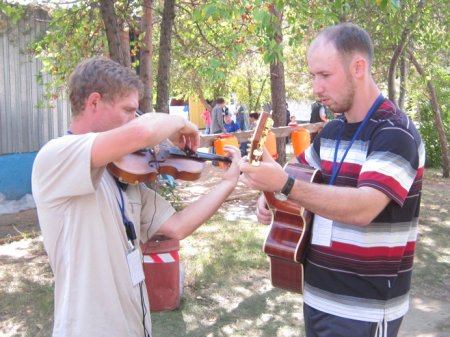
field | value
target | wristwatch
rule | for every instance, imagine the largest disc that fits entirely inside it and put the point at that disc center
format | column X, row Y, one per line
column 284, row 193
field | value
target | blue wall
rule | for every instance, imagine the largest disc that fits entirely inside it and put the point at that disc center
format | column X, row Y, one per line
column 15, row 174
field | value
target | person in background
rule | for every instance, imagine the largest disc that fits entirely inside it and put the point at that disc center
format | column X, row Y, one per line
column 217, row 115
column 230, row 125
column 288, row 114
column 318, row 114
column 360, row 259
column 206, row 115
column 288, row 119
column 243, row 122
column 91, row 222
column 241, row 117
column 253, row 119
column 225, row 110
column 186, row 110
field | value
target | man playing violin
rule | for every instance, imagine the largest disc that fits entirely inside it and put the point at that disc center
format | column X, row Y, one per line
column 91, row 223
column 360, row 259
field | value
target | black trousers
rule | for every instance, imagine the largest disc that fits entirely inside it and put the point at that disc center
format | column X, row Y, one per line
column 321, row 324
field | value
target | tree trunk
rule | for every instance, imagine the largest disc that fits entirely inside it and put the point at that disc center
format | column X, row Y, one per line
column 146, row 52
column 118, row 52
column 403, row 81
column 203, row 100
column 165, row 46
column 278, row 88
column 279, row 112
column 249, row 90
column 437, row 118
column 409, row 26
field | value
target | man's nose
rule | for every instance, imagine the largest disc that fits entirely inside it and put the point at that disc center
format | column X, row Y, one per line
column 317, row 87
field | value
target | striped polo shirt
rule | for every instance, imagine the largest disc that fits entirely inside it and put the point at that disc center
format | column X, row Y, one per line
column 366, row 272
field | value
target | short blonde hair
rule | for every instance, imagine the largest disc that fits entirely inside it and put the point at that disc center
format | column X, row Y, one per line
column 105, row 76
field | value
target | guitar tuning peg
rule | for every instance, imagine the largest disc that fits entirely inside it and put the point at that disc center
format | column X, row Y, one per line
column 257, row 153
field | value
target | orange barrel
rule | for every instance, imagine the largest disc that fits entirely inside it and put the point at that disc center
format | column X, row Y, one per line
column 221, row 141
column 271, row 144
column 162, row 273
column 300, row 140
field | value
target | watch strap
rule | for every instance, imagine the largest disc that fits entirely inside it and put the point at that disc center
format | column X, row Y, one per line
column 288, row 185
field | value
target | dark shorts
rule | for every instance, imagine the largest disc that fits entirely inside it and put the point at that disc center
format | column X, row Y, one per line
column 321, row 324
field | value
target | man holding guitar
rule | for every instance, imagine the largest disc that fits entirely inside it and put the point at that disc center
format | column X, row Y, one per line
column 91, row 222
column 360, row 257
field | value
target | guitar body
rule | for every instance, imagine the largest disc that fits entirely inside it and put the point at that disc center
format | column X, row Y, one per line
column 290, row 231
column 289, row 234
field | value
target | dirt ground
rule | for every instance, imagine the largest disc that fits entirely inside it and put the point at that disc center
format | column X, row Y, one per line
column 17, row 225
column 429, row 315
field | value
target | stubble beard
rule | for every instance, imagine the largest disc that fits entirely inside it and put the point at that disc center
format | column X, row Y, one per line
column 345, row 103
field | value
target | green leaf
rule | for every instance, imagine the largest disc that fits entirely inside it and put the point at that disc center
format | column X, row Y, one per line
column 197, row 15
column 395, row 4
column 211, row 10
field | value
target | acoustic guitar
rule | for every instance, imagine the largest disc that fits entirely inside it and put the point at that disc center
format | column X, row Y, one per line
column 290, row 231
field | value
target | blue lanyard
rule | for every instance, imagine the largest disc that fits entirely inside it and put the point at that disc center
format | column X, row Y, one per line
column 121, row 203
column 358, row 131
column 129, row 226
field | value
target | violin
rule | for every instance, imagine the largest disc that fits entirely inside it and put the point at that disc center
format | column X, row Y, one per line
column 146, row 164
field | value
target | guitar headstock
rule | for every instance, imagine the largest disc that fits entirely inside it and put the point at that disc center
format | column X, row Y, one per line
column 256, row 146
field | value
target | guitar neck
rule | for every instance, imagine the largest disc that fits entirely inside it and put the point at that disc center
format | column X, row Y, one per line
column 258, row 140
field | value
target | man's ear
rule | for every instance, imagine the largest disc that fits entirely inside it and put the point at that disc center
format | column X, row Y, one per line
column 359, row 67
column 92, row 101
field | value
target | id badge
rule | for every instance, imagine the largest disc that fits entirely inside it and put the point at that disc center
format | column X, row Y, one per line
column 135, row 267
column 321, row 231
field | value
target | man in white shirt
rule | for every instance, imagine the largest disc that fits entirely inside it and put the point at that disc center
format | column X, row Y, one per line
column 91, row 223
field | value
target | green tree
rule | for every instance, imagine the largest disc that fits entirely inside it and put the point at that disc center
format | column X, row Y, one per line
column 92, row 28
column 415, row 45
column 164, row 60
column 256, row 49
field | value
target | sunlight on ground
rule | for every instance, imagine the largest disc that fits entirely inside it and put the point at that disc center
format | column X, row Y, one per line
column 198, row 190
column 16, row 249
column 428, row 316
column 11, row 327
column 427, row 306
column 238, row 211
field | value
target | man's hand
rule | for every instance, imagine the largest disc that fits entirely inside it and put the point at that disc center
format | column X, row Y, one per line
column 187, row 137
column 232, row 171
column 269, row 176
column 263, row 213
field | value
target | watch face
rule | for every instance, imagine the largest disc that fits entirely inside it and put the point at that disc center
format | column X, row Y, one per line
column 280, row 196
